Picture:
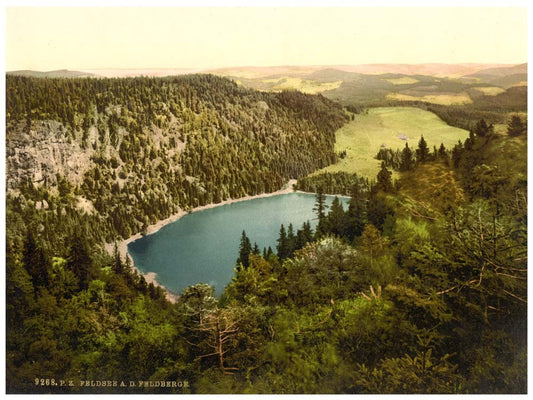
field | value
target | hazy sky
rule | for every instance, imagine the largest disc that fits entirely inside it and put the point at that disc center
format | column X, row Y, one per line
column 207, row 37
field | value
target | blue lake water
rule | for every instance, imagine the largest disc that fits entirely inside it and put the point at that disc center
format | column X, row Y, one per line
column 203, row 246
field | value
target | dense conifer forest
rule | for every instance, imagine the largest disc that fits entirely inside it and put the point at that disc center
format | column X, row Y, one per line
column 419, row 286
column 159, row 144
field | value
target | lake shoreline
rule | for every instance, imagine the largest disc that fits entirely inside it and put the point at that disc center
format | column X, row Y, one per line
column 151, row 277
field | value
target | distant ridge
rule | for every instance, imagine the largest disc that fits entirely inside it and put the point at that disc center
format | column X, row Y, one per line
column 469, row 70
column 504, row 71
column 60, row 73
column 515, row 75
column 151, row 72
column 428, row 69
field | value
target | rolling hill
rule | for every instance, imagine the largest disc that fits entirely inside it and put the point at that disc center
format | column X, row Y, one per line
column 60, row 73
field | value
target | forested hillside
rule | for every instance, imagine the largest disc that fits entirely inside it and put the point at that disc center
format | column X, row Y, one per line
column 420, row 286
column 135, row 150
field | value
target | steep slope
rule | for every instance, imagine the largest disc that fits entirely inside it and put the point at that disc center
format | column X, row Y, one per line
column 140, row 149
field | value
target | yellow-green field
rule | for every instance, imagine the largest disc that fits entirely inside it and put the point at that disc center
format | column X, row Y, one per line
column 490, row 90
column 363, row 137
column 404, row 80
column 444, row 99
column 303, row 85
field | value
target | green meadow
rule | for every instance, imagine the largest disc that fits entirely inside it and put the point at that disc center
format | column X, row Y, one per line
column 385, row 127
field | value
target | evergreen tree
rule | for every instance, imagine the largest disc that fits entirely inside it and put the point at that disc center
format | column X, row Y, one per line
column 422, row 152
column 356, row 214
column 35, row 262
column 516, row 127
column 117, row 266
column 406, row 162
column 320, row 209
column 245, row 248
column 336, row 218
column 304, row 235
column 372, row 242
column 79, row 260
column 384, row 180
column 457, row 152
column 442, row 152
column 291, row 241
column 378, row 209
column 482, row 129
column 282, row 247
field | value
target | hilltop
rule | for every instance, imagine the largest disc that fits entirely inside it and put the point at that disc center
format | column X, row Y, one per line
column 60, row 73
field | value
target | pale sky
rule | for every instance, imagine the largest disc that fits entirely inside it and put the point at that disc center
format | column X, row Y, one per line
column 207, row 37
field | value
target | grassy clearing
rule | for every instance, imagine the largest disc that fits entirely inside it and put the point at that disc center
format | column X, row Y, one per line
column 404, row 80
column 303, row 85
column 443, row 99
column 363, row 137
column 490, row 90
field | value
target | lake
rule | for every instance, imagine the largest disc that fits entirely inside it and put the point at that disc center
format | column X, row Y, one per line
column 202, row 247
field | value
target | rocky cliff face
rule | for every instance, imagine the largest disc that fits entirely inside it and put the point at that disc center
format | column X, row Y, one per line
column 40, row 153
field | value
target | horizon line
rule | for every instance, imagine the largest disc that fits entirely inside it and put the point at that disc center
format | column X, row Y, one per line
column 262, row 66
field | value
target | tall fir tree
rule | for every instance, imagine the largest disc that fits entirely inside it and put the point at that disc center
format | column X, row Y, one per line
column 422, row 152
column 282, row 247
column 245, row 248
column 516, row 127
column 356, row 214
column 291, row 241
column 442, row 154
column 79, row 260
column 320, row 210
column 336, row 218
column 304, row 235
column 35, row 262
column 384, row 179
column 406, row 161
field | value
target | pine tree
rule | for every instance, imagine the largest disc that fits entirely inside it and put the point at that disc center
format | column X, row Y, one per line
column 356, row 214
column 35, row 262
column 291, row 241
column 384, row 180
column 336, row 218
column 481, row 129
column 372, row 242
column 457, row 152
column 304, row 235
column 442, row 152
column 516, row 127
column 79, row 260
column 320, row 209
column 282, row 247
column 406, row 162
column 422, row 152
column 245, row 248
column 118, row 267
